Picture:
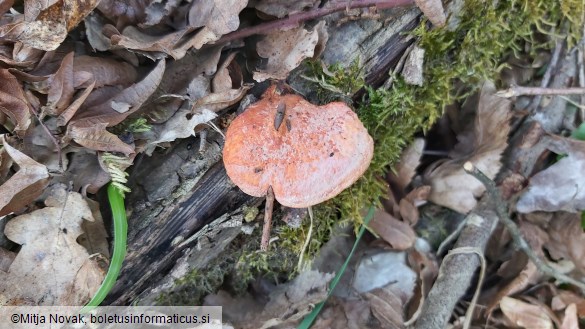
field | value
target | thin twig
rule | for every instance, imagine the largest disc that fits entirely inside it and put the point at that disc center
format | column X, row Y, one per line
column 267, row 219
column 514, row 91
column 549, row 70
column 307, row 241
column 294, row 20
column 519, row 241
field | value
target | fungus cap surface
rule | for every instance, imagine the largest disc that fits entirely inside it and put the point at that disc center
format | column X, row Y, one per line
column 317, row 152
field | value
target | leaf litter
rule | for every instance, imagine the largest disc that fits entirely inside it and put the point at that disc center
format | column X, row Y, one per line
column 63, row 107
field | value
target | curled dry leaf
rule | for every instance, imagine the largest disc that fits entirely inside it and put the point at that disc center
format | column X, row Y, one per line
column 397, row 233
column 24, row 186
column 217, row 17
column 124, row 11
column 483, row 145
column 130, row 98
column 433, row 10
column 13, row 102
column 525, row 315
column 567, row 239
column 288, row 303
column 51, row 262
column 50, row 25
column 106, row 71
column 560, row 186
column 413, row 67
column 570, row 320
column 286, row 50
column 280, row 8
column 154, row 47
column 93, row 135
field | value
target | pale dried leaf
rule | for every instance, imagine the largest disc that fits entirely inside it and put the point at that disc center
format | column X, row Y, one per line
column 567, row 239
column 401, row 175
column 433, row 10
column 24, row 186
column 451, row 186
column 564, row 298
column 84, row 171
column 397, row 233
column 134, row 96
column 181, row 125
column 387, row 305
column 50, row 259
column 124, row 12
column 218, row 101
column 570, row 320
column 154, row 47
column 106, row 71
column 217, row 17
column 525, row 315
column 413, row 67
column 93, row 29
column 560, row 186
column 93, row 135
column 51, row 24
column 280, row 8
column 95, row 236
column 61, row 86
column 286, row 50
column 70, row 111
column 13, row 102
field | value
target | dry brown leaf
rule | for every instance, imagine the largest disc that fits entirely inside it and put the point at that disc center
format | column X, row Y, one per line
column 525, row 315
column 157, row 10
column 413, row 67
column 280, row 8
column 286, row 50
column 567, row 239
column 564, row 298
column 95, row 236
column 560, row 186
column 24, row 186
column 570, row 320
column 219, row 101
column 5, row 5
column 94, row 24
column 397, row 233
column 70, row 111
column 217, row 17
column 288, row 303
column 154, row 47
column 84, row 171
column 433, row 10
column 60, row 87
column 50, row 25
column 49, row 269
column 401, row 175
column 13, row 102
column 124, row 12
column 93, row 135
column 180, row 125
column 387, row 305
column 451, row 186
column 106, row 71
column 133, row 97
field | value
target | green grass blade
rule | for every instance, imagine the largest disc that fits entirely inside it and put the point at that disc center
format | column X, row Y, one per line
column 309, row 319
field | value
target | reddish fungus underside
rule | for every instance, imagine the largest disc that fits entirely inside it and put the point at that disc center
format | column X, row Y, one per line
column 317, row 151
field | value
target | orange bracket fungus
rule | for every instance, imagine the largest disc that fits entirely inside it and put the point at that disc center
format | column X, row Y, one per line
column 302, row 153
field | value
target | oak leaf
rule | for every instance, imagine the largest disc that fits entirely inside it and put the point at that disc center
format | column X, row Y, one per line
column 24, row 186
column 51, row 268
column 13, row 102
